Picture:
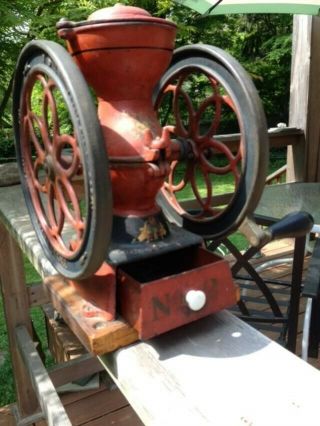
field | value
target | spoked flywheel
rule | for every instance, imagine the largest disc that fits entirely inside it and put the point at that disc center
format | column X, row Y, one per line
column 214, row 114
column 62, row 158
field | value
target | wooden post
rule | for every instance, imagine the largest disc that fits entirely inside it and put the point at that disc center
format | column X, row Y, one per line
column 49, row 400
column 304, row 158
column 16, row 309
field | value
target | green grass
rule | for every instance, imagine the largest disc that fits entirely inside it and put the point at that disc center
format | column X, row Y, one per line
column 220, row 183
column 223, row 184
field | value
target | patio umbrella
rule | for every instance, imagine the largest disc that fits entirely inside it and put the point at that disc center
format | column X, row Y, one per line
column 222, row 7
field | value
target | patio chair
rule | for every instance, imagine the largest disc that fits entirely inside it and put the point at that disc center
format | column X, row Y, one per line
column 297, row 196
column 282, row 315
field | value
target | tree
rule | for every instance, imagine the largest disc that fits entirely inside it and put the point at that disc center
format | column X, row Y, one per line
column 21, row 22
column 262, row 43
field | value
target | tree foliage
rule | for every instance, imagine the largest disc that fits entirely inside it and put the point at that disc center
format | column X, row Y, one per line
column 262, row 43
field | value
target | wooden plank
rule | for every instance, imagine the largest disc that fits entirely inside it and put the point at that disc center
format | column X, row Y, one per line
column 68, row 398
column 96, row 333
column 36, row 295
column 285, row 136
column 278, row 138
column 6, row 417
column 75, row 369
column 198, row 372
column 16, row 309
column 46, row 393
column 124, row 417
column 15, row 218
column 304, row 164
column 62, row 343
column 95, row 406
column 281, row 247
column 34, row 419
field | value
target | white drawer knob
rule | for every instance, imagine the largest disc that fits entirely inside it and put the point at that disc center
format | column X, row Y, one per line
column 196, row 299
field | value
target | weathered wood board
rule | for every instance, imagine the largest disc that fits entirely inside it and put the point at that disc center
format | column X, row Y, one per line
column 217, row 371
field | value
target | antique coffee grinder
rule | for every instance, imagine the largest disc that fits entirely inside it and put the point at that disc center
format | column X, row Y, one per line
column 122, row 194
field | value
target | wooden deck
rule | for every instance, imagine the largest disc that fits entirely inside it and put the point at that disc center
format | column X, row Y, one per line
column 102, row 407
column 109, row 407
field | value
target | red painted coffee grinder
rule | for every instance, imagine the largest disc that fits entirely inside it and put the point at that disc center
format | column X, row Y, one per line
column 105, row 186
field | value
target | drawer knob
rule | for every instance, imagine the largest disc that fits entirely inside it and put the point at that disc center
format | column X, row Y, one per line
column 196, row 299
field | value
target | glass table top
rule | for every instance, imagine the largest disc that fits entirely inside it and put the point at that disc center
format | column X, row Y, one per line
column 280, row 199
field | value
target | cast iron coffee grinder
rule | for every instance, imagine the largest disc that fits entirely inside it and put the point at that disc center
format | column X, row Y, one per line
column 122, row 194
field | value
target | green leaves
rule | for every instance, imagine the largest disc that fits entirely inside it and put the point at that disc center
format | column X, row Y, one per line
column 262, row 43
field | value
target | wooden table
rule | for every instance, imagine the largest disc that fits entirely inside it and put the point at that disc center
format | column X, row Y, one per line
column 217, row 371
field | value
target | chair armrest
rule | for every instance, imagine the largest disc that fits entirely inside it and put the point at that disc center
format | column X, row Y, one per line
column 293, row 225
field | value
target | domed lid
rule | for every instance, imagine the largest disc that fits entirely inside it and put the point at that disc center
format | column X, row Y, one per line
column 119, row 12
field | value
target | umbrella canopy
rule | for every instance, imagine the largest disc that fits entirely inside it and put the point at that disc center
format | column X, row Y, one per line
column 215, row 7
